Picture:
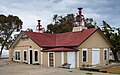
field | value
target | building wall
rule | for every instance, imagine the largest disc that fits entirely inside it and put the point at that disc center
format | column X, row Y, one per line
column 65, row 57
column 101, row 56
column 94, row 41
column 58, row 59
column 45, row 58
column 10, row 54
column 27, row 44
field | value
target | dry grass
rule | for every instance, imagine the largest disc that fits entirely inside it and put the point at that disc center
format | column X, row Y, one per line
column 113, row 69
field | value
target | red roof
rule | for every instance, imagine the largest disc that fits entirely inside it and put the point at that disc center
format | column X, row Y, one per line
column 60, row 49
column 60, row 40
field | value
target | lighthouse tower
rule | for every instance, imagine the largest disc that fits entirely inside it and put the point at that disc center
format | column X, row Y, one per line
column 78, row 23
column 39, row 27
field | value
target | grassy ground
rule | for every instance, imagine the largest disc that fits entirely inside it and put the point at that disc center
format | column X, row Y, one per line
column 113, row 69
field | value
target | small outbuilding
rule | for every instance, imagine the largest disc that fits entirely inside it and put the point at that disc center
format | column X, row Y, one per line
column 85, row 47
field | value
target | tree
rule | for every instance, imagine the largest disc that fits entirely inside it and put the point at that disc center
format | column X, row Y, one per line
column 8, row 24
column 65, row 24
column 113, row 35
column 89, row 23
column 28, row 29
column 61, row 24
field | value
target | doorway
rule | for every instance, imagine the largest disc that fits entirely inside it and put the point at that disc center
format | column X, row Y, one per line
column 30, row 57
column 95, row 56
column 71, row 59
column 51, row 59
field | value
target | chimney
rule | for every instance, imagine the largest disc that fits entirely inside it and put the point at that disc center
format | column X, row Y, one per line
column 39, row 29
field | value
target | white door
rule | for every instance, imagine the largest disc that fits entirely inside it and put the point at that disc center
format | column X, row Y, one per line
column 71, row 59
column 95, row 56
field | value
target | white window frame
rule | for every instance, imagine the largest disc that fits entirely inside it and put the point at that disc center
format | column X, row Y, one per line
column 85, row 49
column 53, row 58
column 111, row 57
column 105, row 49
column 23, row 55
column 34, row 56
column 17, row 55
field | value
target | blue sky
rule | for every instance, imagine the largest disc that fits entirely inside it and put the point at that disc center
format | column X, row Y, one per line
column 31, row 10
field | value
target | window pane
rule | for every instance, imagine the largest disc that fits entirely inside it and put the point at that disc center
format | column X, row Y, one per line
column 111, row 54
column 36, row 55
column 84, row 56
column 18, row 55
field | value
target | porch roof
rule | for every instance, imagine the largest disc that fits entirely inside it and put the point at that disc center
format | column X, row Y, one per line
column 59, row 49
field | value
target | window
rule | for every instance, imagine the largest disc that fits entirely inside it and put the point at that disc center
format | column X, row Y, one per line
column 111, row 54
column 105, row 54
column 36, row 56
column 17, row 55
column 84, row 55
column 25, row 56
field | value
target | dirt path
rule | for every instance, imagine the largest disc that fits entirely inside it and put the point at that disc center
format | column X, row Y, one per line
column 12, row 68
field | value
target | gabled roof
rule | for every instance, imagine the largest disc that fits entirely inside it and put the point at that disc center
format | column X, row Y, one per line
column 60, row 40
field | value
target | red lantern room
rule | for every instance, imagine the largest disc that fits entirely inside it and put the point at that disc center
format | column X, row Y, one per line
column 78, row 19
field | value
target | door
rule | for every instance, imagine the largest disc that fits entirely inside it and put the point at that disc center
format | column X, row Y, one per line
column 36, row 56
column 95, row 56
column 71, row 59
column 51, row 59
column 25, row 56
column 30, row 57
